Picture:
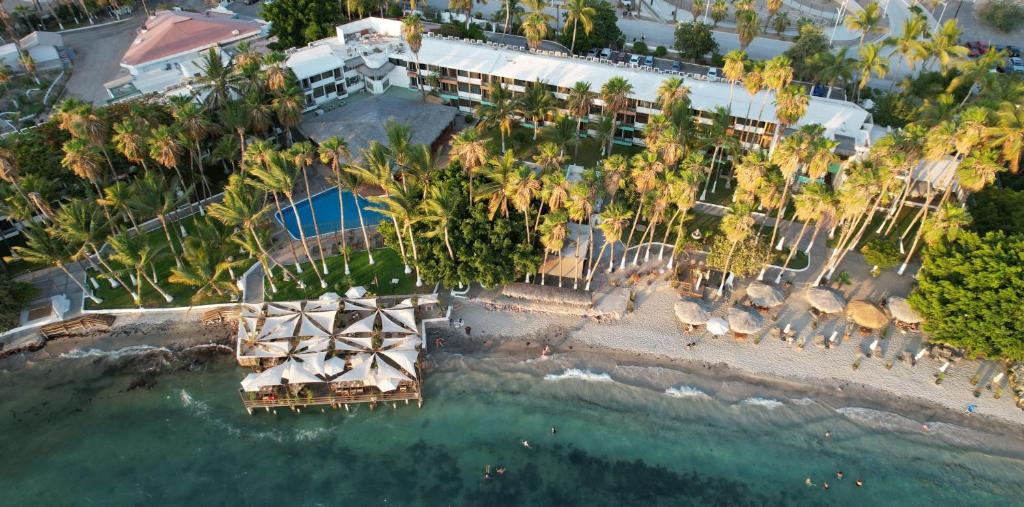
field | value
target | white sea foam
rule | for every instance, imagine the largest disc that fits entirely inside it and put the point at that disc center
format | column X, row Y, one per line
column 133, row 350
column 803, row 402
column 767, row 403
column 686, row 392
column 578, row 374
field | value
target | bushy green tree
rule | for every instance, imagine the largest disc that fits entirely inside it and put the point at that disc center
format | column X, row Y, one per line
column 998, row 209
column 971, row 291
column 748, row 257
column 492, row 252
column 882, row 253
column 13, row 297
column 606, row 33
column 694, row 40
column 809, row 43
column 299, row 22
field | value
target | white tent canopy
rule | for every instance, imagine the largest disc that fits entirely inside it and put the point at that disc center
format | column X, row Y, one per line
column 268, row 377
column 298, row 373
column 361, row 364
column 313, row 361
column 404, row 316
column 361, row 304
column 361, row 326
column 404, row 358
column 355, row 292
column 334, row 366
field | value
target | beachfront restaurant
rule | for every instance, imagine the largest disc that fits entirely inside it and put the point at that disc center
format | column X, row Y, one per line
column 333, row 351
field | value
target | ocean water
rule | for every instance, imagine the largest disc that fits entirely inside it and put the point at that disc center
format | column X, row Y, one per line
column 88, row 430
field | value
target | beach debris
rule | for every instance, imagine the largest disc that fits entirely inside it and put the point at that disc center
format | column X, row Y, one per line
column 691, row 313
column 819, row 340
column 825, row 300
column 831, row 342
column 867, row 315
column 765, row 296
column 901, row 310
column 742, row 320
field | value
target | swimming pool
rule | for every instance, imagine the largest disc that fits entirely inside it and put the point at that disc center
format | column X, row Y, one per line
column 328, row 213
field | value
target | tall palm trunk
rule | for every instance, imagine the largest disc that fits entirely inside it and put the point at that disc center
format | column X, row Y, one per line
column 95, row 299
column 792, row 250
column 575, row 272
column 725, row 272
column 632, row 229
column 167, row 297
column 266, row 255
column 362, row 225
column 668, row 229
column 782, row 211
column 341, row 230
column 898, row 207
column 170, row 242
column 302, row 239
column 917, row 237
column 291, row 242
column 415, row 256
column 316, row 224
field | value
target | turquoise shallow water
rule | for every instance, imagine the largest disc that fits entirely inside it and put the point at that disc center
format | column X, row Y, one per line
column 73, row 434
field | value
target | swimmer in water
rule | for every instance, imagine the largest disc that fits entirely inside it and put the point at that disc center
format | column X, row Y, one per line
column 825, row 485
column 554, row 430
column 859, row 483
column 809, row 482
column 828, row 434
column 526, row 444
column 839, row 474
column 500, row 470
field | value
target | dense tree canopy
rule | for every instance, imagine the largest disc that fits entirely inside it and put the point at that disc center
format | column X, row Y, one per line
column 13, row 296
column 491, row 252
column 694, row 40
column 299, row 22
column 998, row 209
column 606, row 33
column 971, row 291
column 809, row 43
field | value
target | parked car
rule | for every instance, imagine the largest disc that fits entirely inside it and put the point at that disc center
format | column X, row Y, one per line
column 606, row 53
column 676, row 66
column 976, row 48
column 634, row 59
column 1012, row 51
column 592, row 52
column 1014, row 64
column 713, row 73
column 649, row 61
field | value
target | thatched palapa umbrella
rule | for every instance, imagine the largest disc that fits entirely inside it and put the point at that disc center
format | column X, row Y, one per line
column 764, row 295
column 744, row 321
column 902, row 311
column 866, row 314
column 691, row 313
column 825, row 300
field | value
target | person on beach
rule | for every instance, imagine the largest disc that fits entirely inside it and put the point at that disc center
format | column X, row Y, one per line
column 546, row 351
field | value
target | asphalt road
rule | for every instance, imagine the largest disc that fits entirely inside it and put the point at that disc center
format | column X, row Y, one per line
column 98, row 53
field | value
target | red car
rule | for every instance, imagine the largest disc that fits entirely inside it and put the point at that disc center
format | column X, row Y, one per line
column 976, row 48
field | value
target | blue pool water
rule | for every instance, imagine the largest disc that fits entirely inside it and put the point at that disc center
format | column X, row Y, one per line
column 328, row 214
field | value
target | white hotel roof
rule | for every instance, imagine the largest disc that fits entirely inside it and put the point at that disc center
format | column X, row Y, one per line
column 313, row 60
column 836, row 116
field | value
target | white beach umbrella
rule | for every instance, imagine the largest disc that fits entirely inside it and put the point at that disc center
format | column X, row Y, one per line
column 717, row 326
column 404, row 358
column 297, row 373
column 355, row 292
column 269, row 377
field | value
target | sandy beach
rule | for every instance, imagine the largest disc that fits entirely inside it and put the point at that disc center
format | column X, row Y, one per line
column 651, row 334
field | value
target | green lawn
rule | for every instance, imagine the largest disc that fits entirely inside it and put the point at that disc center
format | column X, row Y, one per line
column 376, row 278
column 902, row 220
column 799, row 260
column 183, row 294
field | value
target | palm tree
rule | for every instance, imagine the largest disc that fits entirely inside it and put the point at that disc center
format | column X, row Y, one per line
column 814, row 202
column 944, row 46
column 865, row 21
column 536, row 23
column 497, row 189
column 118, row 196
column 412, row 32
column 207, row 261
column 579, row 207
column 672, row 92
column 871, row 62
column 834, row 67
column 377, row 172
column 909, row 43
column 536, row 104
column 552, row 237
column 399, row 203
column 974, row 72
column 747, row 27
column 470, row 151
column 1008, row 134
column 682, row 194
column 578, row 102
column 462, row 5
column 245, row 208
column 81, row 158
column 278, row 177
column 333, row 152
column 735, row 67
column 772, row 7
column 276, row 74
column 615, row 94
column 165, row 147
column 604, row 129
column 235, row 117
column 195, row 126
column 497, row 111
column 90, row 126
column 512, row 12
column 523, row 186
column 438, row 210
column 154, row 195
column 614, row 170
column 562, row 132
column 138, row 257
column 808, row 150
column 790, row 106
column 736, row 226
column 646, row 168
column 43, row 249
column 130, row 140
column 217, row 79
column 579, row 12
column 287, row 107
column 79, row 222
column 303, row 155
column 613, row 220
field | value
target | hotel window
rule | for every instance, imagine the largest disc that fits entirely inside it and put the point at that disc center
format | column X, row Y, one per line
column 474, row 89
column 411, row 66
column 641, row 117
column 463, row 73
column 338, row 73
column 318, row 92
column 519, row 82
column 595, row 109
column 475, row 75
column 352, row 80
column 466, row 103
column 464, row 87
column 305, row 83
